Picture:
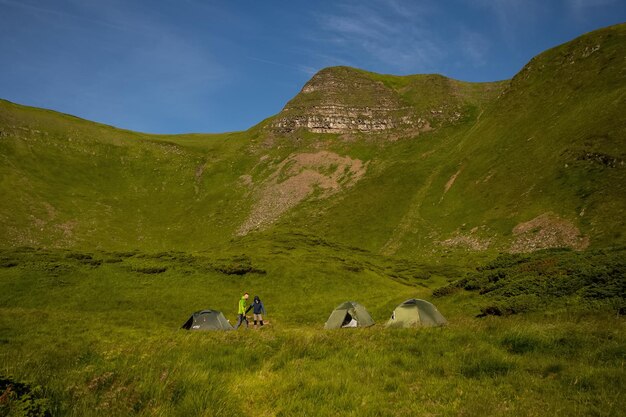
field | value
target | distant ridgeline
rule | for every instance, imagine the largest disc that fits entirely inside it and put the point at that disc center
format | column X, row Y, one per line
column 418, row 165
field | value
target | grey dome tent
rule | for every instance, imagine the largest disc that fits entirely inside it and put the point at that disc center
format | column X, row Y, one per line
column 349, row 314
column 207, row 320
column 416, row 313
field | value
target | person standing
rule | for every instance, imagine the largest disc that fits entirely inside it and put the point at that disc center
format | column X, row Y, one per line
column 258, row 309
column 241, row 312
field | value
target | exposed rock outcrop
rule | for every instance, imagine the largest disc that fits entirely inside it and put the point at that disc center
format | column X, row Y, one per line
column 342, row 100
column 341, row 119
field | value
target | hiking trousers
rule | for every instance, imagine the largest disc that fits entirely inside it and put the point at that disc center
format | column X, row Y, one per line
column 240, row 319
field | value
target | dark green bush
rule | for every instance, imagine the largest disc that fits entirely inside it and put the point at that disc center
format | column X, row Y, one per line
column 514, row 283
column 504, row 260
column 113, row 260
column 17, row 398
column 443, row 291
column 79, row 256
column 127, row 254
column 150, row 269
column 237, row 265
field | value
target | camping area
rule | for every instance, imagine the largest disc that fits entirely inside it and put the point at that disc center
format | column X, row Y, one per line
column 446, row 241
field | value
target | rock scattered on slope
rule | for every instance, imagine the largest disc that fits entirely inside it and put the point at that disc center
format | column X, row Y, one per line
column 298, row 177
column 547, row 231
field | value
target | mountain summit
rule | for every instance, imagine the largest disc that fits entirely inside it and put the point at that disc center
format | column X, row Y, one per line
column 344, row 100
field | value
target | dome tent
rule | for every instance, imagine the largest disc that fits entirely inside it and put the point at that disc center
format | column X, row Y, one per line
column 349, row 314
column 416, row 313
column 207, row 320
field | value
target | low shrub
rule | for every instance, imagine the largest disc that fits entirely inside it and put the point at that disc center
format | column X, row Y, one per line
column 79, row 256
column 113, row 260
column 238, row 265
column 443, row 291
column 126, row 254
column 514, row 283
column 20, row 399
column 149, row 269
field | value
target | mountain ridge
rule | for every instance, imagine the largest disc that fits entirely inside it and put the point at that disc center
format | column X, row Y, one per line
column 528, row 163
column 347, row 100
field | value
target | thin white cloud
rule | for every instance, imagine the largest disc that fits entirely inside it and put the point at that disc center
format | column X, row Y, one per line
column 308, row 70
column 511, row 15
column 579, row 7
column 302, row 68
column 474, row 47
column 584, row 4
column 319, row 60
column 383, row 31
column 47, row 11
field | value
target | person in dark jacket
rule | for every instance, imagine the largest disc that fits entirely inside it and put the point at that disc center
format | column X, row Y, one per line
column 258, row 309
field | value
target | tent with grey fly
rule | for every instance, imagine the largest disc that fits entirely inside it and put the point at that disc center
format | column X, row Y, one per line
column 416, row 313
column 349, row 314
column 207, row 320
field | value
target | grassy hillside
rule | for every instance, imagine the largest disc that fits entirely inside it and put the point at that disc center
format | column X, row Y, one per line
column 546, row 147
column 74, row 183
column 503, row 203
column 553, row 142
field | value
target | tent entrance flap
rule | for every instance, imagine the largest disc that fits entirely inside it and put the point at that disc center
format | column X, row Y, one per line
column 349, row 314
column 207, row 320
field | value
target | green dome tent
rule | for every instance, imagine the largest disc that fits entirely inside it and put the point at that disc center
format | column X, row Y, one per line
column 416, row 313
column 207, row 320
column 349, row 314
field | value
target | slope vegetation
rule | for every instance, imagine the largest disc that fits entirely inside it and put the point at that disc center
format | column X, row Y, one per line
column 404, row 166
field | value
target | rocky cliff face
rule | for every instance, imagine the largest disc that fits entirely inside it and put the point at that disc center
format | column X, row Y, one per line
column 341, row 119
column 342, row 100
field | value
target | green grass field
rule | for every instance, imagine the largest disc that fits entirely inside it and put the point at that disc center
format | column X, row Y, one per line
column 97, row 334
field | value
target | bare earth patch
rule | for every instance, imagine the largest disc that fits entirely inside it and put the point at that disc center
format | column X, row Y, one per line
column 298, row 177
column 451, row 182
column 246, row 180
column 547, row 231
column 200, row 170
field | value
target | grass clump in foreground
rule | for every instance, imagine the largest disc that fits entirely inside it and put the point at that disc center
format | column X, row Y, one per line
column 104, row 340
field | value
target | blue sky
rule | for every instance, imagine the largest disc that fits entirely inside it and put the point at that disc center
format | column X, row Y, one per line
column 174, row 66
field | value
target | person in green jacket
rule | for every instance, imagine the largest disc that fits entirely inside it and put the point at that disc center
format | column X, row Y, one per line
column 241, row 312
